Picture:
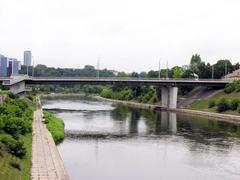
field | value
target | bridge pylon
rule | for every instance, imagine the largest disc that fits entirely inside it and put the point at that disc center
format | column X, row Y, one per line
column 169, row 97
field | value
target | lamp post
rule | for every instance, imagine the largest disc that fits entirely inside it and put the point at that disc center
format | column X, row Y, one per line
column 212, row 72
column 33, row 67
column 225, row 68
column 97, row 74
column 167, row 70
column 159, row 69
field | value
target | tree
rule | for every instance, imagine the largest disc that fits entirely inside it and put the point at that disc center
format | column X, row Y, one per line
column 134, row 74
column 188, row 74
column 236, row 66
column 205, row 71
column 221, row 66
column 194, row 63
column 177, row 72
column 152, row 74
column 143, row 74
column 122, row 74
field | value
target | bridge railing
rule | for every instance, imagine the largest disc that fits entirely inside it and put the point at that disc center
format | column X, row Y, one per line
column 127, row 78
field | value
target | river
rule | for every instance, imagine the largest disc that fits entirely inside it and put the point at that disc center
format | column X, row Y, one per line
column 106, row 141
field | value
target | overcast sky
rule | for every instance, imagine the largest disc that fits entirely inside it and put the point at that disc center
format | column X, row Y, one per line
column 128, row 35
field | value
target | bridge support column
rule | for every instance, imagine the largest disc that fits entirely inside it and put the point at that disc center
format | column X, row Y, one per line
column 164, row 97
column 169, row 97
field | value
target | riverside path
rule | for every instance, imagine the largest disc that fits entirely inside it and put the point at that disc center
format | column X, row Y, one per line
column 46, row 160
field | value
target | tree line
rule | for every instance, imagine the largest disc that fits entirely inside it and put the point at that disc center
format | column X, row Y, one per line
column 196, row 67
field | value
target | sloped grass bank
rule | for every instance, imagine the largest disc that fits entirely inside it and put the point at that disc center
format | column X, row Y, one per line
column 55, row 126
column 205, row 104
column 16, row 117
column 12, row 167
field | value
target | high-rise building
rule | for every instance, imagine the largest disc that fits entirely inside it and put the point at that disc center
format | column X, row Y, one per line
column 27, row 58
column 13, row 66
column 3, row 65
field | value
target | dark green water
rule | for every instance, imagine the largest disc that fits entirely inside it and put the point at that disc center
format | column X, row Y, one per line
column 115, row 142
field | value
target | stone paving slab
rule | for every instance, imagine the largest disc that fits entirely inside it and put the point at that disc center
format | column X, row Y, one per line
column 46, row 160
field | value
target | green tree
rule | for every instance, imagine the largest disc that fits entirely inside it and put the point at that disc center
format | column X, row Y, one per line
column 205, row 71
column 177, row 72
column 222, row 67
column 195, row 62
column 152, row 74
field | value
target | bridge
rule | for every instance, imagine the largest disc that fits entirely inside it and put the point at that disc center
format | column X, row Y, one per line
column 169, row 87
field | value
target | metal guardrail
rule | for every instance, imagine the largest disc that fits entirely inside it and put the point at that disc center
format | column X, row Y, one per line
column 126, row 78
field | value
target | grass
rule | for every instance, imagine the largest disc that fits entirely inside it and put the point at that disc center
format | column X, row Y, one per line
column 55, row 126
column 203, row 103
column 12, row 167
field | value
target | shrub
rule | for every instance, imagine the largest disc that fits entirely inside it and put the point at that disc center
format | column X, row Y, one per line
column 13, row 146
column 15, row 165
column 107, row 93
column 229, row 88
column 211, row 103
column 30, row 97
column 13, row 110
column 9, row 93
column 15, row 126
column 234, row 104
column 222, row 105
column 21, row 103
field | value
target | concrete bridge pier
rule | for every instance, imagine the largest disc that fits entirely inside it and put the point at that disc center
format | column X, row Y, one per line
column 17, row 87
column 169, row 97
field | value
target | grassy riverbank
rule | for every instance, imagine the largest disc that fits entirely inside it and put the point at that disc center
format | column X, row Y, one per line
column 55, row 126
column 16, row 117
column 205, row 104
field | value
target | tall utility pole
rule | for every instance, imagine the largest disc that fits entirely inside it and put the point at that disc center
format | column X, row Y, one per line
column 33, row 67
column 167, row 70
column 159, row 69
column 225, row 68
column 27, row 70
column 98, row 67
column 212, row 72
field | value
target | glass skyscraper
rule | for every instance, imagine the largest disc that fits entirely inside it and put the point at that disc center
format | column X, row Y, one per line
column 27, row 58
column 3, row 65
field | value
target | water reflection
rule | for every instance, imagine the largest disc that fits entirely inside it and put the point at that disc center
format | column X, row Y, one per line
column 110, row 141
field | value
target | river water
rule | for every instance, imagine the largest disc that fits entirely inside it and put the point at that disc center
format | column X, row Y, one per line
column 115, row 142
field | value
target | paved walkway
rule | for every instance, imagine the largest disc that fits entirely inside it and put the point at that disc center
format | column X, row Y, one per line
column 46, row 160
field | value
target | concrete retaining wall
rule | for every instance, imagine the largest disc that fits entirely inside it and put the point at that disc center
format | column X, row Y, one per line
column 216, row 116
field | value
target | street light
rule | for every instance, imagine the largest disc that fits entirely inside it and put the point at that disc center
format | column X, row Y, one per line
column 212, row 72
column 159, row 69
column 225, row 68
column 33, row 67
column 167, row 70
column 98, row 62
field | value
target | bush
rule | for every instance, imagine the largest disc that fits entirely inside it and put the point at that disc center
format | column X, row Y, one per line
column 13, row 146
column 238, row 110
column 15, row 126
column 9, row 93
column 211, row 103
column 107, row 93
column 229, row 88
column 234, row 104
column 222, row 105
column 30, row 97
column 15, row 165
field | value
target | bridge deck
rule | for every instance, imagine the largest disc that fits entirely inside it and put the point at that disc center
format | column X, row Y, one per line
column 128, row 81
column 120, row 81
